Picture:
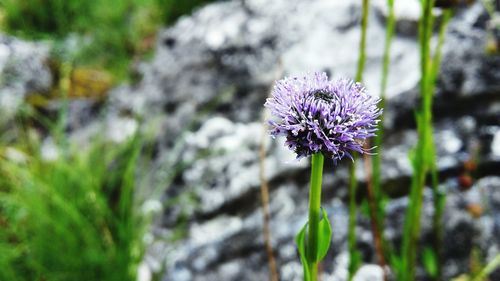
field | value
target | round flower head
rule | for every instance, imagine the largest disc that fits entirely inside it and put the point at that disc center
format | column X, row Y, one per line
column 318, row 115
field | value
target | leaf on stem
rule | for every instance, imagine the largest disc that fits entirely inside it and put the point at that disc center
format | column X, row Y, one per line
column 325, row 236
column 430, row 262
column 300, row 239
column 324, row 239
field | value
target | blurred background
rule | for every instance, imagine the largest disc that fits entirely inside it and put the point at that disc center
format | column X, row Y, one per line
column 133, row 144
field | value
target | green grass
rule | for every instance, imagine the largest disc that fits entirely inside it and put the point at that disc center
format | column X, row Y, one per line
column 38, row 17
column 111, row 33
column 173, row 9
column 73, row 218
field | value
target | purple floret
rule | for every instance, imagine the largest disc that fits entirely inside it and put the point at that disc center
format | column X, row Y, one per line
column 318, row 115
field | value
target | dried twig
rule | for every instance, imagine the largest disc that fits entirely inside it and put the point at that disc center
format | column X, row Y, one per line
column 377, row 236
column 264, row 193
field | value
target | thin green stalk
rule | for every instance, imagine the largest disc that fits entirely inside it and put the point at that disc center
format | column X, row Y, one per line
column 353, row 253
column 314, row 213
column 439, row 197
column 412, row 221
column 383, row 88
column 489, row 268
column 362, row 42
column 376, row 164
column 376, row 195
column 424, row 158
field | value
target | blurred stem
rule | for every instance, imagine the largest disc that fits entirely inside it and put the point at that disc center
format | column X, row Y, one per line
column 439, row 197
column 378, row 193
column 314, row 213
column 264, row 193
column 353, row 182
column 412, row 219
column 424, row 158
column 489, row 268
column 372, row 204
column 380, row 133
column 353, row 253
column 362, row 42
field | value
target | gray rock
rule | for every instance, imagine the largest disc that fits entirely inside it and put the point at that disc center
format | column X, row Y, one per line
column 408, row 11
column 495, row 145
column 465, row 45
column 233, row 166
column 226, row 56
column 223, row 59
column 369, row 272
column 23, row 71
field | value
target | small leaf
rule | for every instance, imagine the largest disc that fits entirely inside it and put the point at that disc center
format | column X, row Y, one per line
column 365, row 208
column 325, row 236
column 300, row 239
column 397, row 264
column 441, row 199
column 430, row 262
column 412, row 156
column 355, row 262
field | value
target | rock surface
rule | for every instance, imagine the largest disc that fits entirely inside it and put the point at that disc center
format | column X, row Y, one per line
column 23, row 70
column 210, row 76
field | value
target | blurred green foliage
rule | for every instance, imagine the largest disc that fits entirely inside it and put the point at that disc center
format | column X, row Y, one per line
column 110, row 34
column 72, row 218
column 37, row 17
column 173, row 9
column 82, row 212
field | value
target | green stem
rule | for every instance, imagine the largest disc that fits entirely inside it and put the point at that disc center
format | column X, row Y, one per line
column 314, row 212
column 353, row 261
column 362, row 42
column 439, row 197
column 376, row 164
column 389, row 33
column 424, row 158
column 489, row 268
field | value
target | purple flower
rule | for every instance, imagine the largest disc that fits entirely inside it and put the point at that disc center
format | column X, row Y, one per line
column 318, row 115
